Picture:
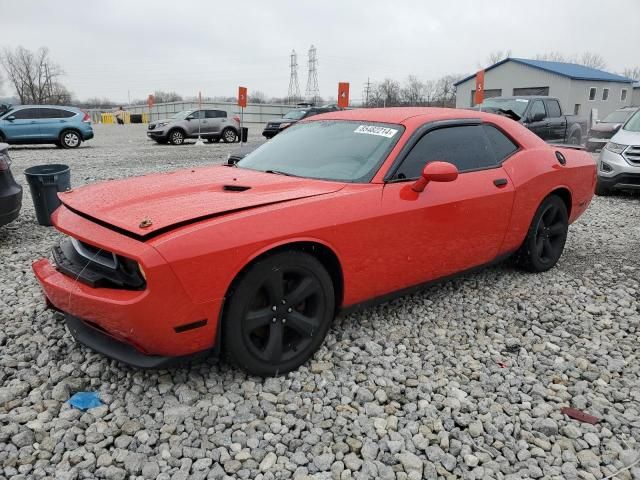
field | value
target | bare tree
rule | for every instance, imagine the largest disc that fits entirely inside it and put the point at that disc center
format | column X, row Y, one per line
column 445, row 91
column 588, row 59
column 413, row 91
column 632, row 72
column 160, row 96
column 34, row 76
column 593, row 60
column 389, row 92
column 96, row 102
column 257, row 97
column 552, row 57
column 495, row 57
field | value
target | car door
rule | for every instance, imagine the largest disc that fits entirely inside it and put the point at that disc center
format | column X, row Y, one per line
column 216, row 120
column 449, row 227
column 195, row 123
column 557, row 121
column 21, row 125
column 52, row 121
column 537, row 120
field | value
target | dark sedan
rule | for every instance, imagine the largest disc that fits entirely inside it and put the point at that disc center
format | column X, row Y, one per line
column 10, row 191
column 276, row 126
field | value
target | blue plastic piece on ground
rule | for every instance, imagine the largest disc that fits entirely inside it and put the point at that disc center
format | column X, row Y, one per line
column 85, row 400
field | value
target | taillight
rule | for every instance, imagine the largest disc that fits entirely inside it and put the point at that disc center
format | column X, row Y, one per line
column 237, row 118
column 5, row 161
column 86, row 118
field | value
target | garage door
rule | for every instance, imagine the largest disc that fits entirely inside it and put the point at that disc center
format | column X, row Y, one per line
column 531, row 91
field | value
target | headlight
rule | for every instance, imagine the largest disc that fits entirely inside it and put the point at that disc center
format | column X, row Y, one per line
column 615, row 147
column 5, row 161
column 161, row 124
column 284, row 125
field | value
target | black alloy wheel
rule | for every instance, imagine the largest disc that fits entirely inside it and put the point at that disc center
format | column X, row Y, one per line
column 279, row 314
column 546, row 237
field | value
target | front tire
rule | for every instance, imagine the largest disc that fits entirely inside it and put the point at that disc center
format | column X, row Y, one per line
column 229, row 135
column 70, row 139
column 176, row 137
column 575, row 139
column 546, row 237
column 278, row 314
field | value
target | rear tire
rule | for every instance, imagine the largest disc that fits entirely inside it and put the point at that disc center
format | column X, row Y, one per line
column 278, row 314
column 176, row 137
column 229, row 135
column 70, row 139
column 546, row 237
column 575, row 139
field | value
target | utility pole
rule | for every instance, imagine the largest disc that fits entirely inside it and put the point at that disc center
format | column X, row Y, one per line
column 367, row 90
column 294, row 88
column 313, row 91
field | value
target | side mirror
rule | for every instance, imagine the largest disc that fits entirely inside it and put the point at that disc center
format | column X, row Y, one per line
column 435, row 172
column 11, row 118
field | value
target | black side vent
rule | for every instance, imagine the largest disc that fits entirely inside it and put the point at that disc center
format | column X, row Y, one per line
column 235, row 188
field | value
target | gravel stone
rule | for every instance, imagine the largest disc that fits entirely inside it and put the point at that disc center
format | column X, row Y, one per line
column 465, row 379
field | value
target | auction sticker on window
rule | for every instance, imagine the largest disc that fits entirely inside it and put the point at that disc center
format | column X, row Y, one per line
column 375, row 130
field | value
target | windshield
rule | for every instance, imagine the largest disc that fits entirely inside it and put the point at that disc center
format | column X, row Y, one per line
column 633, row 125
column 295, row 115
column 181, row 115
column 327, row 150
column 619, row 116
column 518, row 105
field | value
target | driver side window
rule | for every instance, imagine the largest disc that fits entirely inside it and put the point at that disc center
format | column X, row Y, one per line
column 467, row 147
column 537, row 109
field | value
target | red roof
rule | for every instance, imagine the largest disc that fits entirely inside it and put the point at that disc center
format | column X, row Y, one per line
column 398, row 114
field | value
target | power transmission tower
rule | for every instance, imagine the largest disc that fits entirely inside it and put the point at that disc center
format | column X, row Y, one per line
column 367, row 91
column 294, row 88
column 313, row 92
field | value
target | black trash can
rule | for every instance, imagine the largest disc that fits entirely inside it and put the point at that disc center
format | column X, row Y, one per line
column 245, row 134
column 45, row 181
column 135, row 118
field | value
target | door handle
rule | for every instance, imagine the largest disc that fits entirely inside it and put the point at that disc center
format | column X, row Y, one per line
column 500, row 182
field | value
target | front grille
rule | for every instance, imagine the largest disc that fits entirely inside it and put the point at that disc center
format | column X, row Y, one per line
column 632, row 154
column 597, row 134
column 95, row 267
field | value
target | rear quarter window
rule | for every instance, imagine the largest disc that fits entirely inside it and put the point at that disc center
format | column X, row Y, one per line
column 502, row 145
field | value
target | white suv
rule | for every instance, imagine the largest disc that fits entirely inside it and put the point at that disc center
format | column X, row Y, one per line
column 619, row 161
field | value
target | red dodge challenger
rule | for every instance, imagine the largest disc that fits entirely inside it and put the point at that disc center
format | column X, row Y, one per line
column 255, row 258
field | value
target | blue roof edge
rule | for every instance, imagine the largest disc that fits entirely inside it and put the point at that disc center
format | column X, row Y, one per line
column 527, row 62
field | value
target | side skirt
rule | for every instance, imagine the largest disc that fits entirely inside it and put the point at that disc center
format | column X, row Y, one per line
column 387, row 297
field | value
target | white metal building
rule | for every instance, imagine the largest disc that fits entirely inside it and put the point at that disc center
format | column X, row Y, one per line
column 580, row 89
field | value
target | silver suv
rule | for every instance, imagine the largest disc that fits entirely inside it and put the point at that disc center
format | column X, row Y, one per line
column 619, row 161
column 212, row 125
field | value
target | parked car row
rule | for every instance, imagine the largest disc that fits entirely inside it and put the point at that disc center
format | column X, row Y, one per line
column 274, row 127
column 604, row 129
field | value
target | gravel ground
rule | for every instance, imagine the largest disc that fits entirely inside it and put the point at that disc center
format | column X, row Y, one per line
column 463, row 380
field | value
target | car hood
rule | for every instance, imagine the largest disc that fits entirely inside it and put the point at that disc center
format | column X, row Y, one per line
column 279, row 121
column 605, row 127
column 158, row 202
column 625, row 137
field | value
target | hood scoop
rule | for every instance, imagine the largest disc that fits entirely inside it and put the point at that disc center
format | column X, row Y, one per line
column 235, row 188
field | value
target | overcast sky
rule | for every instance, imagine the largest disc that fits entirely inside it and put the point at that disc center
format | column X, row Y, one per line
column 109, row 48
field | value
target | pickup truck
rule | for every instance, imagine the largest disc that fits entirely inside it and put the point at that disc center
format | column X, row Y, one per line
column 542, row 115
